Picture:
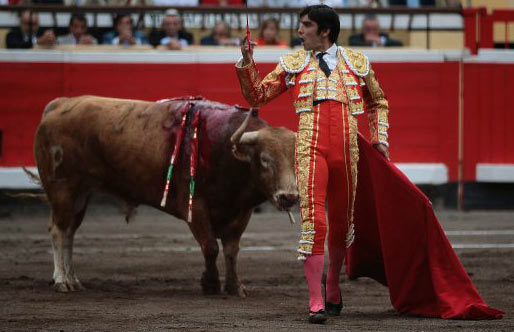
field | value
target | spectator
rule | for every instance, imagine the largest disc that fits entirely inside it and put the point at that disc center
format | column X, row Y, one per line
column 222, row 3
column 371, row 35
column 177, row 3
column 78, row 32
column 268, row 35
column 412, row 3
column 29, row 34
column 47, row 2
column 367, row 3
column 453, row 3
column 107, row 3
column 124, row 33
column 295, row 3
column 171, row 26
column 172, row 31
column 220, row 36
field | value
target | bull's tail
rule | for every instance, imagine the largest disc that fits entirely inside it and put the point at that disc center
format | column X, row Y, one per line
column 42, row 197
column 37, row 180
column 32, row 176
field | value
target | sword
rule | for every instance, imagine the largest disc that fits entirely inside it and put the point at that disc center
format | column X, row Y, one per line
column 247, row 29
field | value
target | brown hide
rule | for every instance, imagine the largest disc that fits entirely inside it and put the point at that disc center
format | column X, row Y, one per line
column 123, row 147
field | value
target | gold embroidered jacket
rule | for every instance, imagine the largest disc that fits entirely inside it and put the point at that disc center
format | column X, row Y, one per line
column 355, row 85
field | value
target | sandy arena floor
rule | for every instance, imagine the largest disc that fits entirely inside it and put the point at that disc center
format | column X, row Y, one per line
column 145, row 276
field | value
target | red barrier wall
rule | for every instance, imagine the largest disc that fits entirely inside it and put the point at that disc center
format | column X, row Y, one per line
column 423, row 100
column 488, row 117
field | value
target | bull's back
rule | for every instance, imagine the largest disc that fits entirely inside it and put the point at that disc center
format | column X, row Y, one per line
column 119, row 145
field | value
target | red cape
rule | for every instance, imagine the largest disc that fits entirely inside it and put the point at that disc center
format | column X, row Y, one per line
column 400, row 243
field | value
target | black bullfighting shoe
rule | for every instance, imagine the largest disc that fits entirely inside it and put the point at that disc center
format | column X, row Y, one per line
column 334, row 309
column 317, row 317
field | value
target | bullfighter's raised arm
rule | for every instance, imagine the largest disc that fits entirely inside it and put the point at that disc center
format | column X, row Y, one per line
column 258, row 92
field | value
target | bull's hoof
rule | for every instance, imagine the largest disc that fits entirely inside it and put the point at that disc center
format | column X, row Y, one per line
column 61, row 287
column 77, row 286
column 66, row 287
column 210, row 286
column 211, row 289
column 236, row 289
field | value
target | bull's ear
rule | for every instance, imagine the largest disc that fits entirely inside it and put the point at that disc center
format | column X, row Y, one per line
column 242, row 152
column 245, row 148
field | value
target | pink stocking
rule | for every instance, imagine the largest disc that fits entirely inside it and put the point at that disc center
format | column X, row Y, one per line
column 336, row 257
column 313, row 269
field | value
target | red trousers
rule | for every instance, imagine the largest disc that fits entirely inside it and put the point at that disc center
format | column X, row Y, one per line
column 327, row 180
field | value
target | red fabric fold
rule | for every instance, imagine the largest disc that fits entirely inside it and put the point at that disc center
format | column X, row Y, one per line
column 400, row 243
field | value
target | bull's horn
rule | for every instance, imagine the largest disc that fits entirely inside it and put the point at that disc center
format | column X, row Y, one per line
column 236, row 137
column 250, row 137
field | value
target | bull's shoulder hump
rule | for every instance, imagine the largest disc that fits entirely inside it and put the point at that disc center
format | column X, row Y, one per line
column 112, row 100
column 295, row 62
column 53, row 105
column 356, row 61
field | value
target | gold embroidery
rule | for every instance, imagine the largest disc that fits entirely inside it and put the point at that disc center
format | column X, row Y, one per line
column 345, row 144
column 303, row 162
column 330, row 87
column 302, row 105
column 358, row 105
column 294, row 62
column 259, row 92
column 351, row 91
column 378, row 108
column 349, row 79
column 354, row 159
column 354, row 105
column 308, row 76
column 358, row 62
column 305, row 89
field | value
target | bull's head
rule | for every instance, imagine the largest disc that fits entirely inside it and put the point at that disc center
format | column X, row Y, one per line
column 270, row 153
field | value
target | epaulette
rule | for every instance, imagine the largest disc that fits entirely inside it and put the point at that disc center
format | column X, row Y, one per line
column 357, row 61
column 295, row 62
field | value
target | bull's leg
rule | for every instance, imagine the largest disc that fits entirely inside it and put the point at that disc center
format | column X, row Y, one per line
column 204, row 235
column 230, row 239
column 65, row 220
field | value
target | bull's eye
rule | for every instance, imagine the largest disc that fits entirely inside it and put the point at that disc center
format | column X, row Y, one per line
column 265, row 160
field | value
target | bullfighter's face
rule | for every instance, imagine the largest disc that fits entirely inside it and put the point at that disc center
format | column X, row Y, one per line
column 313, row 40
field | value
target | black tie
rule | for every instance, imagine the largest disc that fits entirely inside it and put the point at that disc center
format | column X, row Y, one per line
column 322, row 64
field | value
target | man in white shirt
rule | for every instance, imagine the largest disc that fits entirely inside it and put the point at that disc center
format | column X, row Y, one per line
column 78, row 32
column 171, row 25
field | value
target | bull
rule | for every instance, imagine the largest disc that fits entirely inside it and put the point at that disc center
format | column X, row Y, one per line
column 122, row 147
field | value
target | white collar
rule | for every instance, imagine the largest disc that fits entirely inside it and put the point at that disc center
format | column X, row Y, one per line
column 331, row 51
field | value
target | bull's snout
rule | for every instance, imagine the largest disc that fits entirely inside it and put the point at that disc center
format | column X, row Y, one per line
column 286, row 200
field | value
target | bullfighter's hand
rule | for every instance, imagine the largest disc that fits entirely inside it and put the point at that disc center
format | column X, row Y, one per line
column 383, row 150
column 247, row 54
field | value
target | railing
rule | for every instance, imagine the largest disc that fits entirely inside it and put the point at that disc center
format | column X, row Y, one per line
column 479, row 25
column 409, row 19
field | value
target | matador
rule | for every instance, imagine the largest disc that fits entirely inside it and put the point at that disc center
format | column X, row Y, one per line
column 331, row 87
